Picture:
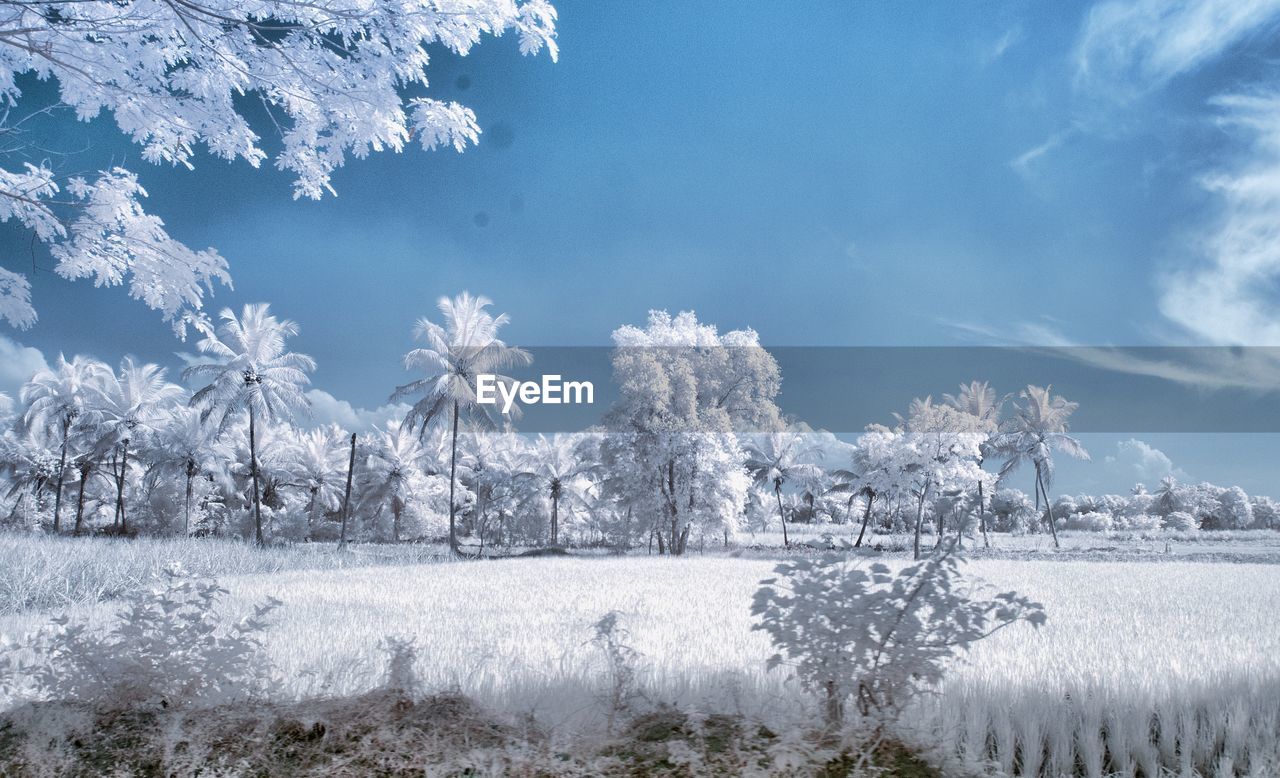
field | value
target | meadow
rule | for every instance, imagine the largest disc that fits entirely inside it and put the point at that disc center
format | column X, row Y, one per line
column 1174, row 665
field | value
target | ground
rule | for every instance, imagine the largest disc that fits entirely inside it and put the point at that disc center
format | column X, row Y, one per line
column 1193, row 645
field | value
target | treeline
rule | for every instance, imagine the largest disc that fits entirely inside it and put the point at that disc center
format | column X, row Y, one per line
column 695, row 449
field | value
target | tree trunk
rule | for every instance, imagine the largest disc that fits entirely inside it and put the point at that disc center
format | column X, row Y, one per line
column 782, row 515
column 120, row 484
column 253, row 470
column 191, row 474
column 1047, row 506
column 453, row 475
column 62, row 472
column 982, row 517
column 555, row 518
column 866, row 519
column 85, row 470
column 311, row 512
column 915, row 546
column 346, row 497
column 396, row 510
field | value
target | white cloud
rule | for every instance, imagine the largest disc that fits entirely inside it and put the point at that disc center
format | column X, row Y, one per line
column 17, row 364
column 1142, row 462
column 1012, row 37
column 1025, row 162
column 327, row 409
column 1128, row 48
column 1225, row 299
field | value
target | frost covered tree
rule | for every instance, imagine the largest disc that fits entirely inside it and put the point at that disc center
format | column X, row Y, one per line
column 55, row 399
column 466, row 346
column 684, row 390
column 251, row 372
column 939, row 452
column 980, row 401
column 319, row 467
column 334, row 78
column 775, row 458
column 562, row 473
column 185, row 447
column 131, row 405
column 1037, row 428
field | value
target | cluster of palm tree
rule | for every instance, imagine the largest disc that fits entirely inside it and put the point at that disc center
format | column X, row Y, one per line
column 134, row 452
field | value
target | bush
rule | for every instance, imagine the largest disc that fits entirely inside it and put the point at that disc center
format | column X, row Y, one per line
column 168, row 647
column 1093, row 521
column 1140, row 522
column 872, row 635
column 1181, row 521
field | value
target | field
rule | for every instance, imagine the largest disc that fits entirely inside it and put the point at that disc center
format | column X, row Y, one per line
column 1175, row 664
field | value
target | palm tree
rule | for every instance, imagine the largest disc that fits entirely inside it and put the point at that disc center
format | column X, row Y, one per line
column 394, row 472
column 56, row 398
column 184, row 447
column 564, row 474
column 775, row 458
column 319, row 466
column 251, row 371
column 1038, row 428
column 31, row 461
column 130, row 404
column 466, row 346
column 979, row 400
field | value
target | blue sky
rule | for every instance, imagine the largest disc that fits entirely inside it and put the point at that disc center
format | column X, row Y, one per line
column 829, row 174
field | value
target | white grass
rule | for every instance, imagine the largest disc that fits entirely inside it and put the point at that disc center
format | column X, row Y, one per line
column 1196, row 645
column 43, row 572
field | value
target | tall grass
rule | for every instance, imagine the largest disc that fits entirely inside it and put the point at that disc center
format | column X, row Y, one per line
column 1172, row 666
column 38, row 572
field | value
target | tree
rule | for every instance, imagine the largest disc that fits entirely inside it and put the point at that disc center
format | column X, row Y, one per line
column 684, row 391
column 130, row 404
column 564, row 475
column 979, row 400
column 775, row 458
column 319, row 467
column 252, row 371
column 335, row 77
column 184, row 447
column 394, row 473
column 466, row 346
column 55, row 399
column 1037, row 429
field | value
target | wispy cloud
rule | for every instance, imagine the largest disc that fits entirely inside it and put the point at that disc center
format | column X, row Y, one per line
column 17, row 364
column 1228, row 297
column 1011, row 37
column 1204, row 368
column 1128, row 48
column 1025, row 162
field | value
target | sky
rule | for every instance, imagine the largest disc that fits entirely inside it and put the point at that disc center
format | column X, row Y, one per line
column 826, row 173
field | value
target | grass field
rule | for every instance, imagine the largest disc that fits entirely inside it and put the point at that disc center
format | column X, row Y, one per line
column 1174, row 664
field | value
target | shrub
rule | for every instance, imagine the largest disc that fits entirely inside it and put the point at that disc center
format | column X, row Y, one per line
column 167, row 647
column 1093, row 521
column 1181, row 521
column 1140, row 522
column 872, row 635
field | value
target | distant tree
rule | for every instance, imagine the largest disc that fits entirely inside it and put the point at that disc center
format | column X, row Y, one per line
column 773, row 459
column 563, row 474
column 131, row 404
column 980, row 401
column 685, row 389
column 55, row 399
column 393, row 472
column 467, row 346
column 319, row 466
column 1037, row 429
column 334, row 78
column 251, row 371
column 186, row 447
